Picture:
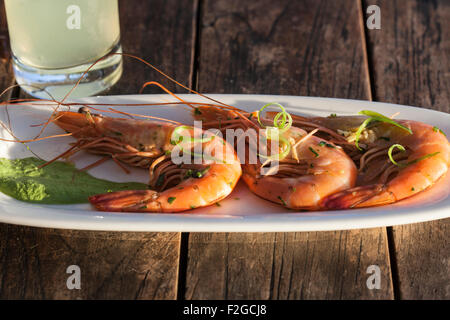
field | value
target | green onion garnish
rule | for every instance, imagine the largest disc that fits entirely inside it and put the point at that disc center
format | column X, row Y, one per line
column 282, row 201
column 282, row 126
column 422, row 158
column 436, row 129
column 399, row 146
column 200, row 174
column 171, row 199
column 378, row 116
column 360, row 130
column 176, row 137
column 323, row 143
column 314, row 151
column 282, row 154
column 375, row 116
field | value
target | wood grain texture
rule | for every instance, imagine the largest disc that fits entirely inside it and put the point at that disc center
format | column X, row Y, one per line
column 410, row 54
column 160, row 32
column 284, row 47
column 410, row 59
column 114, row 265
column 33, row 264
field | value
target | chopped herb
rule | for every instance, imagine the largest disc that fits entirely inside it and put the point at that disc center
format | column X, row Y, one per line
column 197, row 112
column 282, row 201
column 171, row 200
column 333, row 115
column 109, row 190
column 160, row 180
column 412, row 189
column 188, row 174
column 218, row 204
column 250, row 116
column 168, row 152
column 203, row 172
column 436, row 129
column 192, row 207
column 323, row 143
column 314, row 151
column 311, row 165
column 196, row 173
column 144, row 207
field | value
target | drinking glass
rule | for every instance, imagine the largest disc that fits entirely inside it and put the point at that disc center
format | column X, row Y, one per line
column 54, row 42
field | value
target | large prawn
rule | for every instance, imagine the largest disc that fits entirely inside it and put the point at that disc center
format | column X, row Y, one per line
column 308, row 172
column 397, row 159
column 148, row 144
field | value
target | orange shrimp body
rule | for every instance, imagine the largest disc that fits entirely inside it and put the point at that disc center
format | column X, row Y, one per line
column 148, row 144
column 312, row 170
column 425, row 160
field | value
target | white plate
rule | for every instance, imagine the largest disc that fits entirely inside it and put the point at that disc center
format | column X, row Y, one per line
column 249, row 213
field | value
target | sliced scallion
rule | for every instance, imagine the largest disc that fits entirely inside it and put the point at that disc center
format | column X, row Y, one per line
column 399, row 146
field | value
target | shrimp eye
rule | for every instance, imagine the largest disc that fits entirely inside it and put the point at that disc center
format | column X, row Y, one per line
column 83, row 110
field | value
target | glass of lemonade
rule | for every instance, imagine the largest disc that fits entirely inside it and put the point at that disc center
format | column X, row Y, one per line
column 55, row 41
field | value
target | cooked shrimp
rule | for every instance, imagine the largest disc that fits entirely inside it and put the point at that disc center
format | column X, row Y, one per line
column 149, row 144
column 384, row 180
column 312, row 170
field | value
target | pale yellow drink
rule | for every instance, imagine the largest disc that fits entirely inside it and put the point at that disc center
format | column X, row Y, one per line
column 55, row 41
column 55, row 34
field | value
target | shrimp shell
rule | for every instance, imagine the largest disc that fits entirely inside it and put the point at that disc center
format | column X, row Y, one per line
column 142, row 142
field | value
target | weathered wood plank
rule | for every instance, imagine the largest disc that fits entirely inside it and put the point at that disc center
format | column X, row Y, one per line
column 284, row 47
column 410, row 59
column 120, row 265
column 160, row 32
column 33, row 264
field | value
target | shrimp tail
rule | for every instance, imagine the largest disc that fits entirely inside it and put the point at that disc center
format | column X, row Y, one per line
column 370, row 195
column 127, row 200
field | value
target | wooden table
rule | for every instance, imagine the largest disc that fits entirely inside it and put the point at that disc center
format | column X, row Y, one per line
column 310, row 48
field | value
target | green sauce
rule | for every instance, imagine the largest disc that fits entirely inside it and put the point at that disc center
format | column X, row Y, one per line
column 57, row 183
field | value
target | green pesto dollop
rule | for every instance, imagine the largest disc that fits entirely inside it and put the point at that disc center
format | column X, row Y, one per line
column 57, row 183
